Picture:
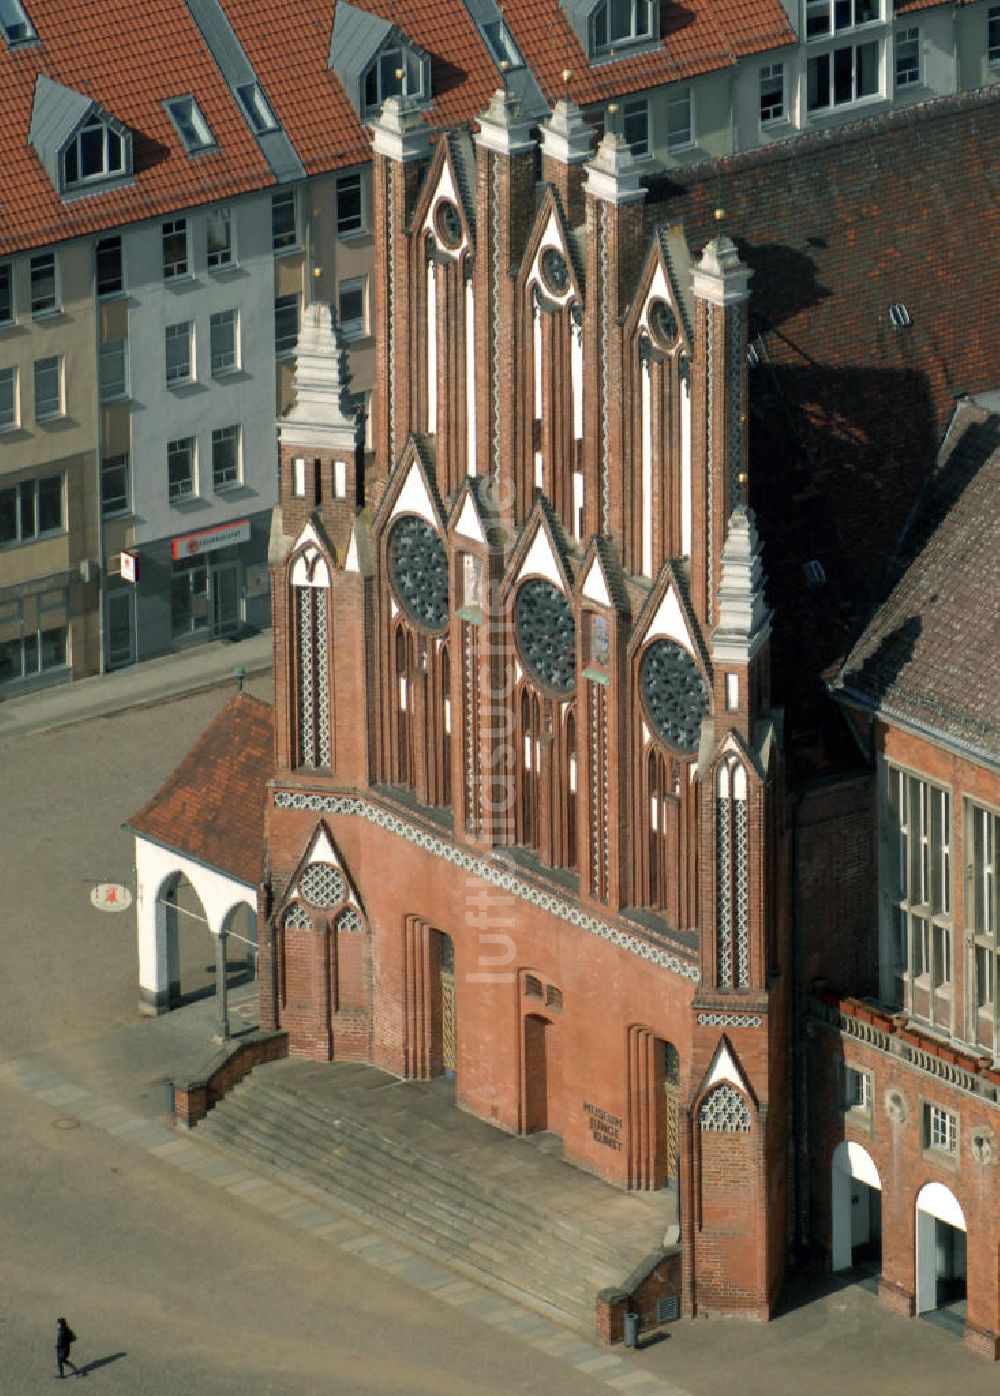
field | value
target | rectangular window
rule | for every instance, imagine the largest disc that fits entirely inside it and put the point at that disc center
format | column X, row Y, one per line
column 180, row 468
column 940, row 1129
column 6, row 293
column 919, row 885
column 352, row 308
column 908, row 58
column 350, row 206
column 225, row 457
column 219, row 240
column 284, row 225
column 17, row 27
column 993, row 36
column 114, row 485
column 680, row 132
column 982, row 915
column 48, row 388
column 843, row 76
column 44, row 293
column 109, row 267
column 857, row 1089
column 286, row 324
column 833, row 16
column 10, row 417
column 175, row 249
column 189, row 597
column 772, row 93
column 299, row 477
column 33, row 653
column 224, row 334
column 179, row 344
column 256, row 108
column 635, row 126
column 340, row 479
column 190, row 124
column 113, row 370
column 32, row 509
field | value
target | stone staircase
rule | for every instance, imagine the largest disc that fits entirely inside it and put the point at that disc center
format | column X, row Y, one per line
column 505, row 1210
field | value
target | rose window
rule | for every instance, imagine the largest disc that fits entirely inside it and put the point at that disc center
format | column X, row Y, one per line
column 555, row 272
column 322, row 885
column 448, row 222
column 674, row 692
column 663, row 324
column 418, row 566
column 546, row 634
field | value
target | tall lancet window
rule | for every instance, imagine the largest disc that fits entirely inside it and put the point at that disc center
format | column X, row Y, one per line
column 732, row 897
column 310, row 608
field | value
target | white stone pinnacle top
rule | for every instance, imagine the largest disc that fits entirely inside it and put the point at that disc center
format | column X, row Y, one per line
column 720, row 276
column 566, row 137
column 320, row 384
column 744, row 620
column 503, row 126
column 613, row 175
column 399, row 131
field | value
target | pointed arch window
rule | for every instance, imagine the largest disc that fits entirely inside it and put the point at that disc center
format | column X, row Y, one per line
column 732, row 898
column 724, row 1111
column 310, row 607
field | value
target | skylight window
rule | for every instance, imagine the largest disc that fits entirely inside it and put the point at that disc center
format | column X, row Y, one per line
column 17, row 27
column 501, row 42
column 899, row 316
column 256, row 108
column 193, row 129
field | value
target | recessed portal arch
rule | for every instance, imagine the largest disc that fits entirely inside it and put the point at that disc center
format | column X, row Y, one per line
column 855, row 1206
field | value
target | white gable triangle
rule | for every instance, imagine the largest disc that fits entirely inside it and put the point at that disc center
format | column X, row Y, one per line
column 595, row 586
column 413, row 497
column 724, row 1068
column 323, row 850
column 468, row 522
column 670, row 621
column 541, row 559
column 352, row 562
column 307, row 536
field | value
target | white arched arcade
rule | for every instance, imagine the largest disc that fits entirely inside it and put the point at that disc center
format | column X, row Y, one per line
column 853, row 1173
column 222, row 897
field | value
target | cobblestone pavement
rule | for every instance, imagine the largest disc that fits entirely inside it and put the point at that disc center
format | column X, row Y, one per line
column 183, row 1274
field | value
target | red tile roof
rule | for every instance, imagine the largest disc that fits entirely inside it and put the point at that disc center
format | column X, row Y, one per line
column 847, row 412
column 212, row 806
column 697, row 36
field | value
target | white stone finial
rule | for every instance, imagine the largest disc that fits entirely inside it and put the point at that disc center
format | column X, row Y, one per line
column 566, row 137
column 744, row 619
column 320, row 414
column 720, row 276
column 503, row 126
column 613, row 174
column 399, row 131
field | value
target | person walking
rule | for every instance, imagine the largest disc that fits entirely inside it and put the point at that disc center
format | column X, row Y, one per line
column 65, row 1338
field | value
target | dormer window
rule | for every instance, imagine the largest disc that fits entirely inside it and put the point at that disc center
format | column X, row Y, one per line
column 17, row 27
column 256, row 109
column 97, row 151
column 395, row 73
column 615, row 22
column 190, row 123
column 502, row 45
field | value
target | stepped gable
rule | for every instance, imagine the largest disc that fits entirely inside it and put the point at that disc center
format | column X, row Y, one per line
column 928, row 655
column 212, row 807
column 847, row 411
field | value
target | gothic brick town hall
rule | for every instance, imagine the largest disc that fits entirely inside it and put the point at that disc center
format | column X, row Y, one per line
column 633, row 761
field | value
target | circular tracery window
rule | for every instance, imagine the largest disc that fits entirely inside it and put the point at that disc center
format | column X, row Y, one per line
column 448, row 222
column 418, row 567
column 674, row 693
column 546, row 634
column 322, row 885
column 555, row 272
column 663, row 324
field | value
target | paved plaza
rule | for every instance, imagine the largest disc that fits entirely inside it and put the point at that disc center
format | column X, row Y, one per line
column 181, row 1276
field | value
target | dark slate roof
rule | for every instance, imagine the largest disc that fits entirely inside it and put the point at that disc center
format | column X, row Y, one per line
column 212, row 807
column 929, row 656
column 846, row 412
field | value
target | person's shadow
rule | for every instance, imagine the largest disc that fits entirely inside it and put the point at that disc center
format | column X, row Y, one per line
column 99, row 1362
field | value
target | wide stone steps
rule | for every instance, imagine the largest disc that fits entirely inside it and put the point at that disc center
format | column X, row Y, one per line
column 438, row 1182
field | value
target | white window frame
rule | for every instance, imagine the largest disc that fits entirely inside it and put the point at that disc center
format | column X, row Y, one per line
column 940, row 1130
column 33, row 488
column 187, row 489
column 684, row 140
column 361, row 227
column 284, row 303
column 642, row 26
column 191, row 124
column 234, row 471
column 356, row 327
column 60, row 409
column 44, row 309
column 857, row 1089
column 178, row 269
column 285, row 241
column 74, row 150
column 818, row 10
column 12, row 374
column 182, row 332
column 229, row 362
column 914, row 77
column 221, row 256
column 829, row 57
column 772, row 73
column 256, row 108
column 411, row 84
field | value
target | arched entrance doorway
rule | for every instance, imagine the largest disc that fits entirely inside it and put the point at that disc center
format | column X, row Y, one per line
column 940, row 1252
column 537, row 1070
column 190, row 945
column 654, row 1102
column 444, row 1032
column 856, row 1209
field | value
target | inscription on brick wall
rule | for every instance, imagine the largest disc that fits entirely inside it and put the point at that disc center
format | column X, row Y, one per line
column 604, row 1128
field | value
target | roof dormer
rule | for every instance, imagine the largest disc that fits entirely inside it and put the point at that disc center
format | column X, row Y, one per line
column 81, row 146
column 375, row 60
column 606, row 27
